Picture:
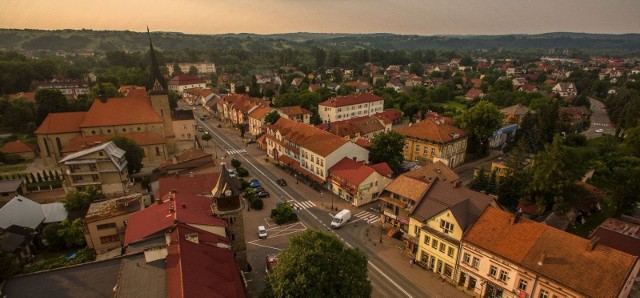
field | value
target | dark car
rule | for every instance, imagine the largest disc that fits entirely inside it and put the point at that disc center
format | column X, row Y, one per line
column 251, row 141
column 281, row 182
column 262, row 194
column 255, row 184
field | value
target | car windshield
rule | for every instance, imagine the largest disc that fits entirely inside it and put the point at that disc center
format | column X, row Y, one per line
column 336, row 220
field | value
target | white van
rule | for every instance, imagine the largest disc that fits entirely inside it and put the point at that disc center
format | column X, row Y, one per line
column 341, row 218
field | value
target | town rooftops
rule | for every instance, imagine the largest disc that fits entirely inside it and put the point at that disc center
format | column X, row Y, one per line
column 308, row 137
column 351, row 171
column 61, row 123
column 619, row 234
column 121, row 111
column 7, row 186
column 114, row 207
column 518, row 110
column 78, row 143
column 294, row 111
column 16, row 147
column 433, row 131
column 349, row 100
column 185, row 79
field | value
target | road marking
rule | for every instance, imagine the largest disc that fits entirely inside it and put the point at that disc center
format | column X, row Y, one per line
column 236, row 151
column 256, row 244
column 367, row 216
column 302, row 204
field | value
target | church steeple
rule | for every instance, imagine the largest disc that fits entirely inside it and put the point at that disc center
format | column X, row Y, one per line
column 157, row 83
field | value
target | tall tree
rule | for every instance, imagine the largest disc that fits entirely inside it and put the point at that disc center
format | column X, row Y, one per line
column 480, row 122
column 134, row 153
column 317, row 264
column 271, row 117
column 387, row 147
column 72, row 232
column 81, row 199
column 625, row 185
column 49, row 101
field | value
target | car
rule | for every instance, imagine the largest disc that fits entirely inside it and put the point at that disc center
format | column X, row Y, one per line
column 257, row 190
column 207, row 116
column 281, row 182
column 262, row 232
column 232, row 173
column 263, row 194
column 254, row 183
column 251, row 141
column 599, row 130
column 200, row 129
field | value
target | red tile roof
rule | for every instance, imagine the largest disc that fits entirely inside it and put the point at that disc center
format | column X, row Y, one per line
column 29, row 96
column 294, row 110
column 197, row 185
column 61, row 123
column 121, row 111
column 391, row 115
column 185, row 79
column 473, row 93
column 81, row 142
column 619, row 234
column 364, row 143
column 16, row 147
column 382, row 169
column 351, row 171
column 431, row 130
column 309, row 137
column 348, row 100
column 201, row 270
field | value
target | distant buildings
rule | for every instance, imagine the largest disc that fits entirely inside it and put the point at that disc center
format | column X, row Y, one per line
column 350, row 106
column 202, row 67
column 433, row 140
column 182, row 82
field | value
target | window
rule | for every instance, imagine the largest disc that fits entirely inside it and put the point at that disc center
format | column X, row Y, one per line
column 157, row 151
column 417, row 148
column 433, row 151
column 493, row 271
column 124, row 130
column 95, row 177
column 446, row 226
column 426, row 150
column 476, row 263
column 450, row 251
column 442, row 247
column 427, row 239
column 109, row 239
column 544, row 294
column 466, row 258
column 106, row 226
column 416, row 230
column 522, row 285
column 503, row 275
column 434, row 244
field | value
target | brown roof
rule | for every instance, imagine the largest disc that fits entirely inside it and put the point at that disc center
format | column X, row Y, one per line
column 409, row 187
column 355, row 126
column 433, row 131
column 433, row 170
column 473, row 93
column 259, row 113
column 121, row 111
column 348, row 100
column 61, row 123
column 81, row 142
column 29, row 96
column 185, row 79
column 293, row 111
column 619, row 234
column 16, row 147
column 351, row 171
column 309, row 137
column 114, row 207
column 518, row 109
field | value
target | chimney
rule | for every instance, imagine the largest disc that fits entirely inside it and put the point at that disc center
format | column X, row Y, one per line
column 542, row 259
column 592, row 243
column 517, row 216
column 457, row 183
column 159, row 201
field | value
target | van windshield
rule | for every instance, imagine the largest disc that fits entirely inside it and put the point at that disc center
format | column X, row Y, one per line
column 337, row 220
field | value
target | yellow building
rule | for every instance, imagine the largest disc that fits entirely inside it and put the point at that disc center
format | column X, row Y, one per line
column 106, row 222
column 434, row 140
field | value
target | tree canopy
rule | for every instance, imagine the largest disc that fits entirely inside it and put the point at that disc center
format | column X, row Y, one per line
column 49, row 101
column 387, row 147
column 134, row 153
column 81, row 199
column 480, row 122
column 272, row 117
column 317, row 264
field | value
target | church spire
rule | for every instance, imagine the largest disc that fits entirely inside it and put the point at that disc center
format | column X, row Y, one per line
column 157, row 83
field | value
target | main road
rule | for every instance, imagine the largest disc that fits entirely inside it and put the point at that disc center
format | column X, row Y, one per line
column 386, row 280
column 600, row 122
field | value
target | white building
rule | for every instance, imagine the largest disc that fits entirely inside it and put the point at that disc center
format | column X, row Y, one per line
column 350, row 106
column 203, row 67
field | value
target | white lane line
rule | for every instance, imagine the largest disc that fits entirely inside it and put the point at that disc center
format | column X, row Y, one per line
column 252, row 242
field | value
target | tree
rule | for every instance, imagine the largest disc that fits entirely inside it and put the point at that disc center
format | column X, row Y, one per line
column 480, row 122
column 8, row 265
column 317, row 264
column 176, row 69
column 81, row 199
column 173, row 99
column 387, row 147
column 271, row 117
column 284, row 213
column 49, row 101
column 625, row 185
column 50, row 234
column 102, row 90
column 319, row 56
column 193, row 70
column 206, row 137
column 134, row 153
column 235, row 163
column 72, row 232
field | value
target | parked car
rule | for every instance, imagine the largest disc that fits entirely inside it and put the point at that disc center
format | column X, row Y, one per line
column 281, row 182
column 251, row 141
column 262, row 232
column 200, row 129
column 599, row 130
column 232, row 173
column 254, row 183
column 262, row 194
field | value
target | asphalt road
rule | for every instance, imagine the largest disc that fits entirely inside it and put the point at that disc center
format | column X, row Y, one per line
column 386, row 280
column 599, row 120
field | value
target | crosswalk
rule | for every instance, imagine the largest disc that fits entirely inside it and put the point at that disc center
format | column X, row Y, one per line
column 302, row 204
column 600, row 124
column 367, row 216
column 236, row 151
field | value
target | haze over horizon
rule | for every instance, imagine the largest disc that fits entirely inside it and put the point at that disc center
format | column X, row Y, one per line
column 420, row 17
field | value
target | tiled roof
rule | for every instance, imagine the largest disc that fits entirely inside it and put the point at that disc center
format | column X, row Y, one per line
column 382, row 169
column 293, row 110
column 364, row 143
column 518, row 109
column 121, row 111
column 619, row 234
column 259, row 113
column 61, row 123
column 185, row 79
column 308, row 137
column 568, row 259
column 473, row 93
column 114, row 207
column 187, row 155
column 433, row 170
column 351, row 171
column 29, row 96
column 390, row 115
column 431, row 130
column 201, row 270
column 196, row 185
column 348, row 100
column 355, row 126
column 81, row 142
column 408, row 187
column 16, row 147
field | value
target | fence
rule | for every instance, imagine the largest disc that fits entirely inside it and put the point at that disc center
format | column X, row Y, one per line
column 42, row 180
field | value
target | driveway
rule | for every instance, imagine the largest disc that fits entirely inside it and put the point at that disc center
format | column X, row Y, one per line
column 599, row 120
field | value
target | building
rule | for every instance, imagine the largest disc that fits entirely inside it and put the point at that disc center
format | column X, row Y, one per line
column 622, row 234
column 507, row 255
column 10, row 189
column 308, row 150
column 70, row 88
column 295, row 113
column 256, row 120
column 103, row 167
column 515, row 114
column 23, row 212
column 106, row 221
column 182, row 82
column 473, row 94
column 358, row 183
column 18, row 150
column 184, row 125
column 202, row 67
column 365, row 127
column 565, row 89
column 18, row 241
column 150, row 125
column 350, row 106
column 430, row 140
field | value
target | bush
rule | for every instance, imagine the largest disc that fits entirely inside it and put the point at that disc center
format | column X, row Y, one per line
column 256, row 203
column 235, row 163
column 575, row 139
column 284, row 213
column 244, row 184
column 242, row 172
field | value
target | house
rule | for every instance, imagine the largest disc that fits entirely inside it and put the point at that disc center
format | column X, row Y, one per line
column 365, row 127
column 182, row 82
column 184, row 125
column 256, row 120
column 23, row 212
column 202, row 67
column 188, row 162
column 106, row 221
column 28, row 96
column 565, row 89
column 350, row 106
column 527, row 88
column 515, row 113
column 18, row 241
column 430, row 140
column 308, row 150
column 295, row 113
column 10, row 189
column 474, row 93
column 18, row 150
column 622, row 234
column 503, row 135
column 103, row 167
column 573, row 116
column 504, row 253
column 235, row 109
column 438, row 223
column 358, row 183
column 70, row 88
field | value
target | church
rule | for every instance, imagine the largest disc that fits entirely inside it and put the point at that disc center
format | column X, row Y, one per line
column 143, row 116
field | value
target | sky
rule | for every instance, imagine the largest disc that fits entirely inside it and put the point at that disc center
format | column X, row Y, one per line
column 422, row 17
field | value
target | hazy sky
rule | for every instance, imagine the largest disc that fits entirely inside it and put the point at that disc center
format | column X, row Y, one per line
column 424, row 17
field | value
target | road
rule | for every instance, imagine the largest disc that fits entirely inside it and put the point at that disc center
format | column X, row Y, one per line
column 386, row 280
column 599, row 120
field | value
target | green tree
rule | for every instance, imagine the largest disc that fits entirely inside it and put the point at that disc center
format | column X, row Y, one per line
column 72, row 232
column 480, row 122
column 206, row 137
column 8, row 265
column 271, row 117
column 387, row 147
column 625, row 185
column 81, row 199
column 235, row 163
column 50, row 234
column 317, row 264
column 480, row 181
column 102, row 90
column 49, row 101
column 176, row 69
column 283, row 214
column 173, row 99
column 319, row 56
column 134, row 153
column 193, row 70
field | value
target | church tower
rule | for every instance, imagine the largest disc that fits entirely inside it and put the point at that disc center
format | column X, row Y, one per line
column 229, row 205
column 158, row 92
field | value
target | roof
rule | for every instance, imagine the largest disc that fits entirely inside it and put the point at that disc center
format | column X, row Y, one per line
column 16, row 147
column 567, row 259
column 495, row 231
column 114, row 153
column 225, row 182
column 260, row 112
column 61, row 123
column 355, row 126
column 54, row 212
column 137, row 278
column 392, row 115
column 619, row 234
column 351, row 171
column 30, row 96
column 119, row 111
column 114, row 207
column 433, row 170
column 187, row 155
column 185, row 79
column 408, row 187
column 201, row 270
column 433, row 131
column 382, row 169
column 22, row 212
column 178, row 115
column 7, row 186
column 80, row 142
column 15, row 238
column 349, row 100
column 308, row 137
column 473, row 93
column 293, row 110
column 518, row 109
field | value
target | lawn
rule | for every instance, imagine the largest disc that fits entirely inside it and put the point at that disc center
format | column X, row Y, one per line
column 593, row 221
column 453, row 105
column 12, row 169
